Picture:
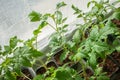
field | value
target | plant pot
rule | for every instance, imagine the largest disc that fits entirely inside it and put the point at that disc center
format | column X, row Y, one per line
column 41, row 70
column 57, row 58
column 28, row 72
column 51, row 64
column 77, row 66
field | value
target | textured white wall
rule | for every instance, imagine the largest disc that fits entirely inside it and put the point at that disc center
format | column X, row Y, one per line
column 14, row 16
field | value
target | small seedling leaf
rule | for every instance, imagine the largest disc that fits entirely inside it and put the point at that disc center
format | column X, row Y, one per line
column 61, row 4
column 34, row 16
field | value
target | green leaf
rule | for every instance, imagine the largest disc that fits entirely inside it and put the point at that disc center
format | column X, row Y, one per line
column 35, row 53
column 58, row 17
column 34, row 16
column 65, row 26
column 13, row 42
column 103, row 78
column 45, row 17
column 17, row 69
column 38, row 77
column 1, row 77
column 95, row 10
column 7, row 50
column 94, row 33
column 79, row 16
column 100, row 46
column 116, row 44
column 76, row 9
column 62, row 74
column 9, row 76
column 70, row 45
column 0, row 48
column 63, row 56
column 64, row 20
column 25, row 61
column 6, row 62
column 77, row 36
column 61, row 4
column 42, row 25
column 105, row 31
column 79, row 56
column 78, row 78
column 36, row 32
column 116, row 15
column 89, row 3
column 118, row 48
column 98, row 71
column 92, row 60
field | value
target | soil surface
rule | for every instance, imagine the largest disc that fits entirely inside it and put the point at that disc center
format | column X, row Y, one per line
column 40, row 70
column 111, row 66
column 27, row 73
column 57, row 58
column 51, row 64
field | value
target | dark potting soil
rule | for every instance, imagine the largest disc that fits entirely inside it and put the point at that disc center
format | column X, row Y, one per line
column 27, row 73
column 112, row 67
column 51, row 64
column 116, row 75
column 57, row 58
column 117, row 22
column 40, row 70
column 109, row 65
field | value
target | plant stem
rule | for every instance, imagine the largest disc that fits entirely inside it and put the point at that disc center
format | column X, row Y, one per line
column 52, row 26
column 36, row 41
column 83, row 68
column 43, row 63
column 26, row 76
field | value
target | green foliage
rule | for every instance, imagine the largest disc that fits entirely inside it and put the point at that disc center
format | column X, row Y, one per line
column 101, row 36
column 91, row 41
column 77, row 36
column 16, row 55
column 62, row 73
column 77, row 11
column 98, row 75
column 34, row 16
column 98, row 37
column 59, row 5
column 38, row 77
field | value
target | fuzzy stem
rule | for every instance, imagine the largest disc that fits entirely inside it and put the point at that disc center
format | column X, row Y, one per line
column 52, row 26
column 26, row 76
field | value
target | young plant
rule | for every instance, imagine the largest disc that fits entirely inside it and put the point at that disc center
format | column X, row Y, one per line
column 94, row 36
column 91, row 40
column 58, row 39
column 15, row 56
